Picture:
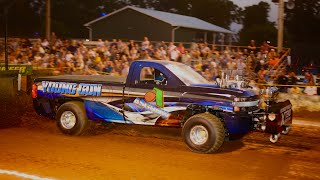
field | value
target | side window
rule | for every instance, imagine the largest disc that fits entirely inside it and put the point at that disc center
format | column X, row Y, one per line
column 150, row 75
column 146, row 74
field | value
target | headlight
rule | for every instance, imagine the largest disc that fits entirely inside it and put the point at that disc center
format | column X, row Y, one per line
column 236, row 109
column 272, row 117
column 240, row 99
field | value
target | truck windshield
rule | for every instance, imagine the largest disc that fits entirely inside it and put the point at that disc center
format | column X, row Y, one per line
column 186, row 74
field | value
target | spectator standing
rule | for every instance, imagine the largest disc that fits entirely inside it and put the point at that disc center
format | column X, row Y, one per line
column 125, row 70
column 181, row 48
column 164, row 45
column 131, row 44
column 69, row 56
column 274, row 60
column 309, row 81
column 231, row 66
column 100, row 43
column 252, row 46
column 114, row 43
column 171, row 47
column 40, row 49
column 292, row 79
column 174, row 54
column 265, row 47
column 45, row 44
column 207, row 74
column 186, row 58
column 282, row 80
column 262, row 76
column 204, row 50
column 163, row 53
column 157, row 54
column 58, row 43
column 53, row 38
column 133, row 53
column 72, row 47
column 241, row 67
column 145, row 44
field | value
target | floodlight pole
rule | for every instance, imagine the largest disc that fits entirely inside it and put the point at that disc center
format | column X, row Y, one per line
column 48, row 19
column 280, row 24
column 5, row 15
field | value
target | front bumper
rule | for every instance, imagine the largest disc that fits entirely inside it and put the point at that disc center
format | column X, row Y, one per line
column 241, row 123
column 237, row 123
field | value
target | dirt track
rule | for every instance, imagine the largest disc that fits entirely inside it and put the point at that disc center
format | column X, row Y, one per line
column 135, row 152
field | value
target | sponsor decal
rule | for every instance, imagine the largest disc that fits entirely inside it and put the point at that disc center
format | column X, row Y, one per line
column 288, row 107
column 151, row 96
column 141, row 102
column 81, row 89
column 286, row 114
column 155, row 94
column 22, row 69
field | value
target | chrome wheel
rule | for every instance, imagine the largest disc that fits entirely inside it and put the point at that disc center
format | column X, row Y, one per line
column 199, row 135
column 68, row 120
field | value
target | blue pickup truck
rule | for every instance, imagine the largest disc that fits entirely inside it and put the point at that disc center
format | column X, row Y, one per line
column 160, row 93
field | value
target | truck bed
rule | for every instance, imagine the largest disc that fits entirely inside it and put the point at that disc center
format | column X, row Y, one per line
column 97, row 79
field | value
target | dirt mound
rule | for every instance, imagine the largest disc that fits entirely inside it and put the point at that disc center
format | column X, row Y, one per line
column 303, row 103
column 304, row 106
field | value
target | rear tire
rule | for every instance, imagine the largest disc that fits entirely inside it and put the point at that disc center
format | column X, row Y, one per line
column 203, row 133
column 72, row 119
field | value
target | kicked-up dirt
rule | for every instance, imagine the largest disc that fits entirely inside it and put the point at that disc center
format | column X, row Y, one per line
column 139, row 152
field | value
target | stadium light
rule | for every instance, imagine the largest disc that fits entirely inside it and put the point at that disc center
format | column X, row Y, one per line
column 280, row 24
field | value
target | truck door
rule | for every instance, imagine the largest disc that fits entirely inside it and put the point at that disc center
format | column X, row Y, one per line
column 151, row 97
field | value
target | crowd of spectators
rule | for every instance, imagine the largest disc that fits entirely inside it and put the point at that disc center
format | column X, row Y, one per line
column 114, row 57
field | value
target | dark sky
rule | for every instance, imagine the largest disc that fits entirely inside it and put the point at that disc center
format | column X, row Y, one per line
column 273, row 15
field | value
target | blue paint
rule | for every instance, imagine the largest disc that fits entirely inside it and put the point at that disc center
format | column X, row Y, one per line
column 206, row 85
column 98, row 111
column 49, row 95
column 244, row 92
column 237, row 124
column 135, row 107
column 59, row 87
column 82, row 89
column 89, row 89
column 223, row 105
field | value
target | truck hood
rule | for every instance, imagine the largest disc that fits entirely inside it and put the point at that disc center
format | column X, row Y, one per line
column 214, row 91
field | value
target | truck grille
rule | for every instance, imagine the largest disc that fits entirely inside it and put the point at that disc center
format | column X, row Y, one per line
column 249, row 109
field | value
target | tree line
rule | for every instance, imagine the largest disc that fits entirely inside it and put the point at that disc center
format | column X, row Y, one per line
column 26, row 18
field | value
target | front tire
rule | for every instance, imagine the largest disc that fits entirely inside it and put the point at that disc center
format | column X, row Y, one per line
column 203, row 133
column 72, row 119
